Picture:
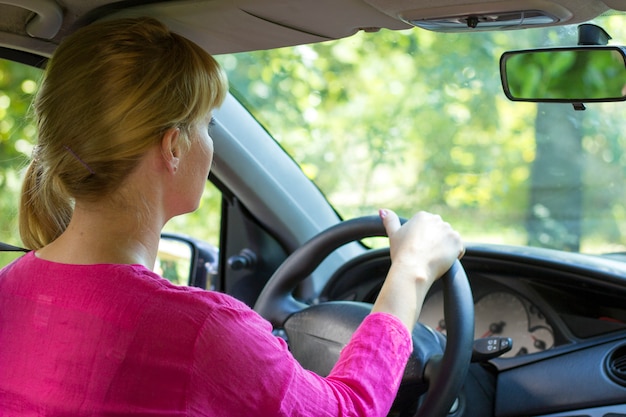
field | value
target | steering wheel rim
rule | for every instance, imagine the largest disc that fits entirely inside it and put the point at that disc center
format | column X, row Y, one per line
column 446, row 376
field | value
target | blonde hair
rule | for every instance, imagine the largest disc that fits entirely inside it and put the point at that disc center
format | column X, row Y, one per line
column 108, row 94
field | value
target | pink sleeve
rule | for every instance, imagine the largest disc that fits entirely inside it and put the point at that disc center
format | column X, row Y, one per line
column 373, row 362
column 241, row 369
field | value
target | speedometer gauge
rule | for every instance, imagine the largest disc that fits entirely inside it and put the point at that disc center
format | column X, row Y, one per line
column 499, row 313
column 505, row 314
column 432, row 312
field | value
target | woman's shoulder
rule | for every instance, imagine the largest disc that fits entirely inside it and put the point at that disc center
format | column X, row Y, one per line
column 120, row 281
column 196, row 298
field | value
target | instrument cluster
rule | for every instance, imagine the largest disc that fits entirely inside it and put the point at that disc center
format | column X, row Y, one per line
column 499, row 312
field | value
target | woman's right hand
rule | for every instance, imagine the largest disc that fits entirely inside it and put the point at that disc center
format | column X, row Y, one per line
column 422, row 250
column 425, row 244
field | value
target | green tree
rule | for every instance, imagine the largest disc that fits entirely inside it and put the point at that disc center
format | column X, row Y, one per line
column 17, row 135
column 372, row 116
column 395, row 115
column 425, row 112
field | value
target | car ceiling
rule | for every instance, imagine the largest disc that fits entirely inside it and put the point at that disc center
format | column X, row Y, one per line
column 225, row 26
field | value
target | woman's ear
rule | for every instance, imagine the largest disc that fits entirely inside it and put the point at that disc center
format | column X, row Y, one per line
column 170, row 149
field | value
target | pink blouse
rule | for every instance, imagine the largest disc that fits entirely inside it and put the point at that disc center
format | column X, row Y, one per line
column 119, row 340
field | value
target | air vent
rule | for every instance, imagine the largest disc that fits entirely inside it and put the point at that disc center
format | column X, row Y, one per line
column 616, row 365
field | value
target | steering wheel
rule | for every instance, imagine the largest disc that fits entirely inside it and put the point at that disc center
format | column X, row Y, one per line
column 316, row 334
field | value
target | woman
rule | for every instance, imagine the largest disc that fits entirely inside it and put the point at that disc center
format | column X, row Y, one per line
column 87, row 329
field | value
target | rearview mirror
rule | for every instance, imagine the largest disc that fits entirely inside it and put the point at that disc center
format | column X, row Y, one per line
column 582, row 74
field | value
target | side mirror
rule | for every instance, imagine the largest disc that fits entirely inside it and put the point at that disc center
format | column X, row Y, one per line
column 581, row 74
column 187, row 261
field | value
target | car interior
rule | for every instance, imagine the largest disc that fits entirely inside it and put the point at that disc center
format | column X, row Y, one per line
column 504, row 116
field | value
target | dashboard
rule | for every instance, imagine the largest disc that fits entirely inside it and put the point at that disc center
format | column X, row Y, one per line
column 565, row 314
column 499, row 313
column 540, row 299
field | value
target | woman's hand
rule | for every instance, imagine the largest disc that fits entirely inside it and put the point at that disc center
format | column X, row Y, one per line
column 425, row 244
column 422, row 250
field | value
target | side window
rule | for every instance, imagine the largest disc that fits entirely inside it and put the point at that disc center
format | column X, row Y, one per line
column 18, row 84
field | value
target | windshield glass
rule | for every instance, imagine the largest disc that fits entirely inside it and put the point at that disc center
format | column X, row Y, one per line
column 417, row 120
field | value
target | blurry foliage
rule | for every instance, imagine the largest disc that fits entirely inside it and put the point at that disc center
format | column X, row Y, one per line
column 408, row 128
column 17, row 134
column 380, row 120
column 403, row 119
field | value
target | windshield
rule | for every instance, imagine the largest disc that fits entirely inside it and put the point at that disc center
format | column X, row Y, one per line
column 417, row 120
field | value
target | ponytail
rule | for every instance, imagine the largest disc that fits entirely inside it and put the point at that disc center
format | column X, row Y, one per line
column 45, row 209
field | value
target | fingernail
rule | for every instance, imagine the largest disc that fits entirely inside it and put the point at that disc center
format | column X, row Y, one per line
column 382, row 213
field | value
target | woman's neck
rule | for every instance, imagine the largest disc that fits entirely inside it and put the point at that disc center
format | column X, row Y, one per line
column 104, row 234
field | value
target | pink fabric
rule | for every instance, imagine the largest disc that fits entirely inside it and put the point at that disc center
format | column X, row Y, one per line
column 118, row 340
